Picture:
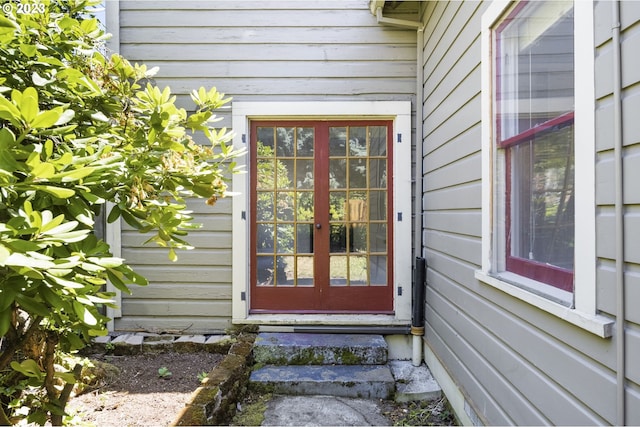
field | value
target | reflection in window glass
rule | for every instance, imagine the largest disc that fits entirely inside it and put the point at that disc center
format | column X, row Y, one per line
column 377, row 141
column 305, row 142
column 284, row 142
column 358, row 141
column 337, row 141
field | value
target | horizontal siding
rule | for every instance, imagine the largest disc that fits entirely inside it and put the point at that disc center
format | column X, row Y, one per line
column 173, row 324
column 514, row 367
column 299, row 50
column 272, row 53
column 185, row 290
column 234, row 5
column 251, row 51
column 605, row 183
column 515, row 363
column 606, row 296
column 174, row 36
column 464, row 170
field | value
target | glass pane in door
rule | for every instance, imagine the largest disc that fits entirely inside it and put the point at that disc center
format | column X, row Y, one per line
column 358, row 206
column 284, row 206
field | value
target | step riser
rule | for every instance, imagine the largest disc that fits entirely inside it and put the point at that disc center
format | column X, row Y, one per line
column 320, row 349
column 360, row 391
column 371, row 382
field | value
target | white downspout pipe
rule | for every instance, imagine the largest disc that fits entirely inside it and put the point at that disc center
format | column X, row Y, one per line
column 417, row 333
column 619, row 216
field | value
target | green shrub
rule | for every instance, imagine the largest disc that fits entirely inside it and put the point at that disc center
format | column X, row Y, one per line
column 78, row 129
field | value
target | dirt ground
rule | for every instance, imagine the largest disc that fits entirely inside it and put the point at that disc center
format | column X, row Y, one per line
column 138, row 395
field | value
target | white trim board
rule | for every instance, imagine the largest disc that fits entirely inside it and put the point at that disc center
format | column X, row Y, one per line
column 400, row 113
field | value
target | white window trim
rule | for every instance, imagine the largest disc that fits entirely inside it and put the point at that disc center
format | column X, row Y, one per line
column 579, row 308
column 400, row 113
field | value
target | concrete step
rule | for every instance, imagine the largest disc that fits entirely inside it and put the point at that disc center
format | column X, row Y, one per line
column 363, row 381
column 285, row 348
column 414, row 383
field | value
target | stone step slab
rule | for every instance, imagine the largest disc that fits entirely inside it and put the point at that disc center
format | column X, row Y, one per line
column 286, row 348
column 414, row 383
column 360, row 381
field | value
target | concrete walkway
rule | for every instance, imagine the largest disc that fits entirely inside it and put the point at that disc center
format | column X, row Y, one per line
column 323, row 411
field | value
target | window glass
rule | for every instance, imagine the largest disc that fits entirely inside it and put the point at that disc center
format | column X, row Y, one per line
column 534, row 67
column 534, row 124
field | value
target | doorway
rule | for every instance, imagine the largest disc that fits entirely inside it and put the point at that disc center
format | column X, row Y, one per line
column 321, row 217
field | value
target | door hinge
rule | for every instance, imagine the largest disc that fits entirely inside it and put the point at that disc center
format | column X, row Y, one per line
column 244, row 138
column 399, row 216
column 399, row 290
column 243, row 215
column 243, row 296
column 399, row 137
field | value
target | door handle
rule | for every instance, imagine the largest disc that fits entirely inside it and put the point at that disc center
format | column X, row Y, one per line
column 318, row 226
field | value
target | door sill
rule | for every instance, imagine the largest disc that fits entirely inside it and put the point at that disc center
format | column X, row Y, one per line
column 284, row 319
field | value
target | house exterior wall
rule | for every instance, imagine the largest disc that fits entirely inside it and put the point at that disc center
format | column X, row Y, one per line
column 512, row 362
column 276, row 51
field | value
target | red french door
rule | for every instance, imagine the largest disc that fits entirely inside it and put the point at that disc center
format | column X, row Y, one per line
column 321, row 210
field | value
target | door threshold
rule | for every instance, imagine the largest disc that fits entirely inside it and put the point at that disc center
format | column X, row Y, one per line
column 293, row 320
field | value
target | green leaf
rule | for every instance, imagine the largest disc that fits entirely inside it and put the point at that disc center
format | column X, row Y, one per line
column 28, row 368
column 32, row 306
column 56, row 226
column 7, row 138
column 29, row 104
column 7, row 296
column 20, row 245
column 4, row 254
column 115, row 280
column 172, row 255
column 114, row 214
column 7, row 23
column 5, row 319
column 43, row 171
column 48, row 148
column 17, row 259
column 66, row 117
column 46, row 119
column 8, row 111
column 52, row 298
column 28, row 50
column 84, row 314
column 74, row 175
column 131, row 220
column 64, row 282
column 67, row 377
column 107, row 262
column 61, row 193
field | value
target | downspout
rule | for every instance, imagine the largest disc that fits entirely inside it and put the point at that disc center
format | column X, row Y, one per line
column 417, row 324
column 619, row 215
column 420, row 267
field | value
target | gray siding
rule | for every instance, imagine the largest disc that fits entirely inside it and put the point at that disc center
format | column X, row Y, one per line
column 252, row 51
column 514, row 363
column 605, row 189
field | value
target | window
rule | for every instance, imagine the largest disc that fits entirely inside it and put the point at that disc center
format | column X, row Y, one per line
column 538, row 167
column 534, row 85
